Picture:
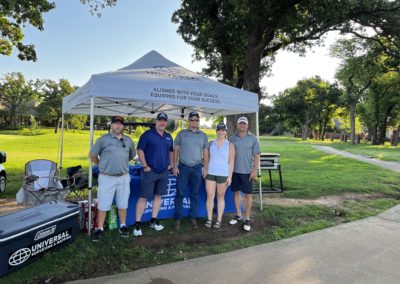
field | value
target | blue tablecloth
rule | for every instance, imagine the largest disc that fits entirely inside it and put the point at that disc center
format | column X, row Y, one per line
column 167, row 205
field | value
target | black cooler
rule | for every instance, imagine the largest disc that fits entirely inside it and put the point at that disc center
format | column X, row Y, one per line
column 27, row 234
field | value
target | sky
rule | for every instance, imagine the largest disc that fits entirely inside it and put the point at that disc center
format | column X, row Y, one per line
column 75, row 44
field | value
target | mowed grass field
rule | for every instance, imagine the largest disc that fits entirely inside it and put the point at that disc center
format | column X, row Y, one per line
column 307, row 173
column 380, row 152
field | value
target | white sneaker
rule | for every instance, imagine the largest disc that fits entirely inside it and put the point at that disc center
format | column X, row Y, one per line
column 246, row 225
column 235, row 220
column 156, row 226
column 137, row 232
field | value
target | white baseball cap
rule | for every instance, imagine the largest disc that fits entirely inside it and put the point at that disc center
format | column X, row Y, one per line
column 243, row 120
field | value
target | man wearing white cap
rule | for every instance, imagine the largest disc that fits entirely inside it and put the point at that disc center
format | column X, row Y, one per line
column 247, row 157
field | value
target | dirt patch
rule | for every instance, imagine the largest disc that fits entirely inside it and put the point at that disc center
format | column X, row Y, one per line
column 9, row 205
column 202, row 235
column 330, row 201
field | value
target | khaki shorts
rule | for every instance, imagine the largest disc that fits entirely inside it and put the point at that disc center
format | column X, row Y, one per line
column 217, row 179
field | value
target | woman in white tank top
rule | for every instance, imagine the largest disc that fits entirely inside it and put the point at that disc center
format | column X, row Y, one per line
column 220, row 169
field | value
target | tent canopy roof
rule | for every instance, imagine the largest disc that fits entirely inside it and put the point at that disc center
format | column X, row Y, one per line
column 153, row 84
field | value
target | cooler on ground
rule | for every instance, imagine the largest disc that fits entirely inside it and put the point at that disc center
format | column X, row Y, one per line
column 29, row 233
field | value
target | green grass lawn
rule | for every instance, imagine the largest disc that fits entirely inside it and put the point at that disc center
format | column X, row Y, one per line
column 380, row 152
column 310, row 173
column 307, row 173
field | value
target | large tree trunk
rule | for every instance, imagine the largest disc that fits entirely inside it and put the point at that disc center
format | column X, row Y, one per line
column 251, row 82
column 55, row 126
column 304, row 132
column 382, row 133
column 395, row 138
column 323, row 132
column 374, row 134
column 352, row 109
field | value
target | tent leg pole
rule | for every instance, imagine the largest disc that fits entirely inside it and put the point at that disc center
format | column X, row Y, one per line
column 90, row 164
column 60, row 164
column 258, row 166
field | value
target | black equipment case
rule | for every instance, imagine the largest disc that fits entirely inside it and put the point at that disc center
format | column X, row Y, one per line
column 28, row 233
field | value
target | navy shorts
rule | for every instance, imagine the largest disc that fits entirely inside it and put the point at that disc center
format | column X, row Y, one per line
column 153, row 183
column 241, row 182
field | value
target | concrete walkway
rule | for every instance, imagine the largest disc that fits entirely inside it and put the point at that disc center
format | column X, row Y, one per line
column 364, row 251
column 383, row 164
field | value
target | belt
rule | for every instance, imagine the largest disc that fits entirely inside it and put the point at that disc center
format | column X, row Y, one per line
column 113, row 175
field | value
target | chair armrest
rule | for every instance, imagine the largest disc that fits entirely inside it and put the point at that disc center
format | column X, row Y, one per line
column 31, row 179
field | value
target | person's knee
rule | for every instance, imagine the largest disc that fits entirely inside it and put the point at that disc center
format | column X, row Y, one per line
column 221, row 196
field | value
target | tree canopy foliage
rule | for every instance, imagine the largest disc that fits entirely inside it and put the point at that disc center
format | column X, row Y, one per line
column 14, row 15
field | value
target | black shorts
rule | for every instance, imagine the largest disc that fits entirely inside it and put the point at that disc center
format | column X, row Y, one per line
column 241, row 182
column 153, row 183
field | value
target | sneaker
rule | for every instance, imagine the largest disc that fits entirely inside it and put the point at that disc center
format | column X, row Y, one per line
column 156, row 225
column 177, row 224
column 137, row 231
column 235, row 220
column 123, row 231
column 246, row 225
column 97, row 235
column 194, row 224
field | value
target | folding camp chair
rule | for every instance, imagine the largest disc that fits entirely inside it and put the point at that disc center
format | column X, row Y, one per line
column 41, row 185
column 76, row 181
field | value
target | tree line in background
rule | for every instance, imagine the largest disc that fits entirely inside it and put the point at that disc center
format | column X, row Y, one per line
column 239, row 41
column 31, row 102
column 364, row 100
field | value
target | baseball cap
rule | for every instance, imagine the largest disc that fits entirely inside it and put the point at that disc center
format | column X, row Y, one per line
column 194, row 113
column 162, row 116
column 243, row 120
column 117, row 118
column 222, row 126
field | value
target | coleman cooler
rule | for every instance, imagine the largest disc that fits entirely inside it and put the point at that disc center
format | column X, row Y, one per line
column 29, row 233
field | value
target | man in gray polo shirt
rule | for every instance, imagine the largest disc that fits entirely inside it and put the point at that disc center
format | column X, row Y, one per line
column 111, row 153
column 247, row 158
column 190, row 147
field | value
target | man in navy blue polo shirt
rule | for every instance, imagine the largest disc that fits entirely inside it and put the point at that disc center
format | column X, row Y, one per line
column 155, row 151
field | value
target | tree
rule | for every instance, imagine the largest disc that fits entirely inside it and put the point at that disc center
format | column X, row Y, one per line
column 78, row 121
column 310, row 101
column 381, row 103
column 364, row 73
column 52, row 93
column 239, row 38
column 16, row 96
column 355, row 74
column 14, row 15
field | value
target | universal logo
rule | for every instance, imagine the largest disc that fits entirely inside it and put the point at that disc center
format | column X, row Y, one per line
column 171, row 188
column 171, row 72
column 45, row 232
column 20, row 256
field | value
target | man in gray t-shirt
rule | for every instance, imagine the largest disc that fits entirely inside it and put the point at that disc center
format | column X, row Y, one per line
column 111, row 153
column 247, row 158
column 190, row 148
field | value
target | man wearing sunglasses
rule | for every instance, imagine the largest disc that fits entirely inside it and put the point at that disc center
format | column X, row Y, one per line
column 190, row 148
column 112, row 153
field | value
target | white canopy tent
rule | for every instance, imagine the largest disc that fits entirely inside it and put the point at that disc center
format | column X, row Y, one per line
column 150, row 85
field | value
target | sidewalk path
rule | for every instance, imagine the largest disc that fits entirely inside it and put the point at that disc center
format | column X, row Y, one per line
column 364, row 251
column 383, row 164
